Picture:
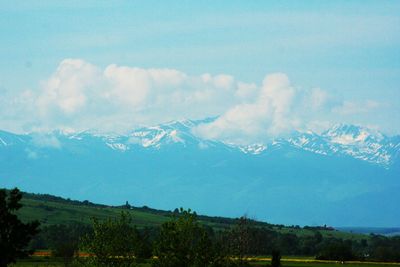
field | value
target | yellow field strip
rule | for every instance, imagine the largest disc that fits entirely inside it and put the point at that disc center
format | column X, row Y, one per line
column 82, row 254
column 48, row 254
column 321, row 261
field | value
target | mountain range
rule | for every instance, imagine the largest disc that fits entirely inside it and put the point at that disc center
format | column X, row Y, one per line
column 346, row 176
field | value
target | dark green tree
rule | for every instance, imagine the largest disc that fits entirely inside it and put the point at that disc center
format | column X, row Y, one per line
column 114, row 242
column 336, row 250
column 14, row 234
column 383, row 248
column 63, row 240
column 183, row 242
column 288, row 243
column 240, row 240
column 276, row 258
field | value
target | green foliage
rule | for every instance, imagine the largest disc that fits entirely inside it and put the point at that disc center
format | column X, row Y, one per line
column 14, row 234
column 336, row 250
column 114, row 242
column 183, row 242
column 63, row 240
column 240, row 239
column 308, row 244
column 261, row 237
column 385, row 249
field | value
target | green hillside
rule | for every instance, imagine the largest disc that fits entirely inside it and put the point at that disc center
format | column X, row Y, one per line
column 50, row 210
column 64, row 219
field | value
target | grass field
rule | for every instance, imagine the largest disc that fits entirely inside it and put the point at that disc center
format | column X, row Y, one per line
column 49, row 212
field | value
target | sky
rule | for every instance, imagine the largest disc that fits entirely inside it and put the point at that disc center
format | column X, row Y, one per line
column 261, row 68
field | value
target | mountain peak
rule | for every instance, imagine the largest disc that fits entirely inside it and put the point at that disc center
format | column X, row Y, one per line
column 342, row 139
column 347, row 134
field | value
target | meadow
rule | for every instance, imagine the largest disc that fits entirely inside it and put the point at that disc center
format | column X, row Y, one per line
column 51, row 210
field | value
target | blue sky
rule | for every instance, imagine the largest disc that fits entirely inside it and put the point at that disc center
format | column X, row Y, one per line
column 344, row 54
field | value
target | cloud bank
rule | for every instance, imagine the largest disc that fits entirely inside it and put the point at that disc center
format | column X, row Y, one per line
column 80, row 96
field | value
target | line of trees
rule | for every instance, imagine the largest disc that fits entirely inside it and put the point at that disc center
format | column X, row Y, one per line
column 182, row 241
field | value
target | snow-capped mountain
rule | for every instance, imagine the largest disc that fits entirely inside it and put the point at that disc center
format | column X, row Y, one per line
column 172, row 133
column 339, row 177
column 354, row 141
column 346, row 140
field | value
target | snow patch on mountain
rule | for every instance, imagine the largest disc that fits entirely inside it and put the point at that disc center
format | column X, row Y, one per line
column 355, row 141
column 253, row 149
column 340, row 140
column 3, row 142
column 118, row 146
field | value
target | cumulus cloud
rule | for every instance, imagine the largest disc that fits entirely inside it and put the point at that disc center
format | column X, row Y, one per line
column 80, row 96
column 268, row 116
column 137, row 87
column 66, row 90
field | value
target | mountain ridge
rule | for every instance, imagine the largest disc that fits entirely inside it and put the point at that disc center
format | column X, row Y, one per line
column 304, row 179
column 351, row 140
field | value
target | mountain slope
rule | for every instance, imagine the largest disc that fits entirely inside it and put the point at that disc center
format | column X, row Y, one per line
column 342, row 177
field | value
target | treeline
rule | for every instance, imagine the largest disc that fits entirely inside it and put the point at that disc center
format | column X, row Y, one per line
column 184, row 235
column 51, row 198
column 181, row 241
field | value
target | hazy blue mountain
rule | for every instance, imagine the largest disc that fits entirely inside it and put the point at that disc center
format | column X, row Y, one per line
column 346, row 176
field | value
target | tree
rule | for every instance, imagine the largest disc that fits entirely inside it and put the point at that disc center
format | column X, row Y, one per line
column 183, row 242
column 114, row 242
column 63, row 240
column 336, row 250
column 288, row 244
column 14, row 234
column 240, row 240
column 276, row 258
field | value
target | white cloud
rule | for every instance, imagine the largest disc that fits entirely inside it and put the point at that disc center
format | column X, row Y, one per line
column 223, row 81
column 246, row 91
column 81, row 96
column 137, row 87
column 65, row 91
column 268, row 116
